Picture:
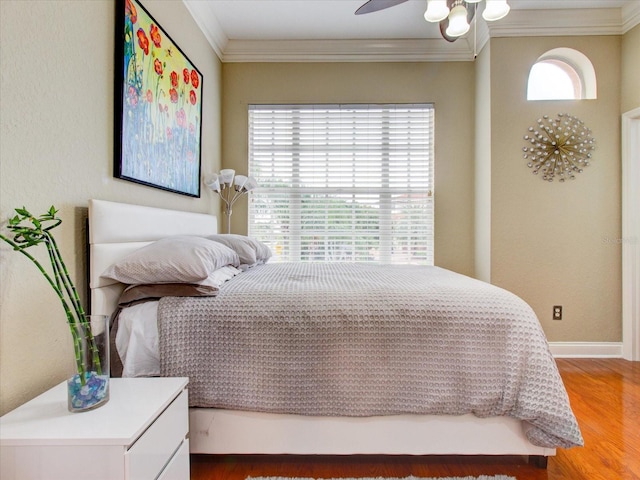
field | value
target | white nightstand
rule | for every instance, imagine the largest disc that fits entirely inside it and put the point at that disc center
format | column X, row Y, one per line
column 141, row 433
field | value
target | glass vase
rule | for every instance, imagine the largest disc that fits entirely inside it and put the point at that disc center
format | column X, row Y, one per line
column 88, row 388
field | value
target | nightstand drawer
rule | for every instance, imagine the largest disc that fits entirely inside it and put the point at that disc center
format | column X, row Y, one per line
column 178, row 468
column 153, row 450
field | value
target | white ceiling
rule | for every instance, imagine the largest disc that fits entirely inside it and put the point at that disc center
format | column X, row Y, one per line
column 328, row 30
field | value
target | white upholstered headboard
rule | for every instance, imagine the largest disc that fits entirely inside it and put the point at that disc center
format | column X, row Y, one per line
column 117, row 229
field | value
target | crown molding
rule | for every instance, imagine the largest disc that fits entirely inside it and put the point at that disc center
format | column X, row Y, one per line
column 548, row 23
column 409, row 50
column 630, row 16
column 208, row 23
column 519, row 23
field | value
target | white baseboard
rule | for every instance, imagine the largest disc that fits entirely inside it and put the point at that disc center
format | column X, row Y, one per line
column 586, row 349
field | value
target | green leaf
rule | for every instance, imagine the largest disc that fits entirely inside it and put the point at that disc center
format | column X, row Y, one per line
column 23, row 211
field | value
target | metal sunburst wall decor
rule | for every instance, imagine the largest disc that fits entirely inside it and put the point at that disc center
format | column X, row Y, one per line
column 559, row 147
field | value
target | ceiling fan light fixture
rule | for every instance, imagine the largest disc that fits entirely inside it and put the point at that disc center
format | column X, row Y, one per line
column 458, row 24
column 437, row 10
column 495, row 10
column 454, row 16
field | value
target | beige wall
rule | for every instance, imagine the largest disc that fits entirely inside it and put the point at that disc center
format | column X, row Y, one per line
column 549, row 240
column 630, row 85
column 449, row 85
column 56, row 147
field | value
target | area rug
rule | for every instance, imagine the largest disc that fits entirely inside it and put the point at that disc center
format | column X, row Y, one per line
column 481, row 477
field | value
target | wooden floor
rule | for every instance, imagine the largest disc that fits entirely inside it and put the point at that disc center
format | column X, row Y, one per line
column 604, row 394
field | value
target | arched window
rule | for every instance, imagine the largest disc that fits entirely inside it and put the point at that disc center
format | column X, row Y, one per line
column 562, row 74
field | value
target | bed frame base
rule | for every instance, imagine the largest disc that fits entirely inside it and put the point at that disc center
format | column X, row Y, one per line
column 539, row 461
column 217, row 431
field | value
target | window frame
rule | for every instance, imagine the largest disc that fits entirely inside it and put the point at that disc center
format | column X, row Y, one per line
column 385, row 225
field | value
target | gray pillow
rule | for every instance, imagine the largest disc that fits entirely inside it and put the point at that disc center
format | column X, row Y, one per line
column 238, row 243
column 250, row 251
column 263, row 252
column 178, row 259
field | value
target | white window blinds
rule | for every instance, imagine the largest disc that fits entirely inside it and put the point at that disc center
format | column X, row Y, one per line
column 343, row 182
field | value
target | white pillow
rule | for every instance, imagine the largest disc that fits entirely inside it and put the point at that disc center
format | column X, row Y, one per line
column 221, row 275
column 179, row 259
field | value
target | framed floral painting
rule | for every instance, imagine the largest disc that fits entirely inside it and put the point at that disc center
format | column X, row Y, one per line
column 158, row 106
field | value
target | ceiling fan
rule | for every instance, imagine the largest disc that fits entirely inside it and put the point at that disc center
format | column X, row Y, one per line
column 454, row 16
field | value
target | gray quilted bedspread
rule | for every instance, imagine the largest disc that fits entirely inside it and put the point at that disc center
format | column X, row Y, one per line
column 363, row 340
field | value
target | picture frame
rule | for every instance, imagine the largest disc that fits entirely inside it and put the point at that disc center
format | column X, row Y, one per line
column 158, row 105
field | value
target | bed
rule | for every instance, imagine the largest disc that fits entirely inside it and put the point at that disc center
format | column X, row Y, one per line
column 363, row 424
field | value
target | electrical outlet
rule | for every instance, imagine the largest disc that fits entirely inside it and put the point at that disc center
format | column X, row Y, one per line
column 557, row 312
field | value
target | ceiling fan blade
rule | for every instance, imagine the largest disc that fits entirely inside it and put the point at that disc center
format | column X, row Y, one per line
column 376, row 5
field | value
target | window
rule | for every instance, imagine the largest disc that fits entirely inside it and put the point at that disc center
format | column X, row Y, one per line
column 553, row 80
column 562, row 74
column 343, row 182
